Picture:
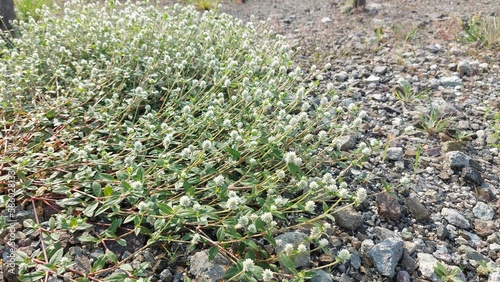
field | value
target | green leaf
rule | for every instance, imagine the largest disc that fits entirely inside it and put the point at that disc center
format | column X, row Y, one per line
column 190, row 189
column 122, row 242
column 221, row 234
column 235, row 155
column 50, row 114
column 140, row 173
column 88, row 238
column 99, row 263
column 32, row 276
column 126, row 186
column 21, row 175
column 117, row 277
column 56, row 256
column 96, row 189
column 164, row 208
column 288, row 263
column 212, row 252
column 89, row 211
column 107, row 191
column 232, row 272
column 293, row 169
column 69, row 202
column 325, row 207
column 126, row 267
column 105, row 176
column 251, row 244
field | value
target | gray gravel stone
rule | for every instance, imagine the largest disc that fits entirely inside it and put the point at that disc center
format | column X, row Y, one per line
column 394, row 154
column 294, row 238
column 166, row 275
column 455, row 218
column 457, row 160
column 464, row 69
column 321, row 276
column 341, row 76
column 380, row 70
column 349, row 218
column 416, row 209
column 472, row 175
column 385, row 255
column 403, row 276
column 494, row 275
column 346, row 143
column 450, row 81
column 426, row 263
column 204, row 269
column 483, row 211
column 372, row 79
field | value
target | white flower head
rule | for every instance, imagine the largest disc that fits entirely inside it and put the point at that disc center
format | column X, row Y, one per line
column 291, row 157
column 267, row 217
column 301, row 248
column 343, row 193
column 267, row 275
column 288, row 248
column 185, row 201
column 323, row 242
column 344, row 255
column 310, row 206
column 248, row 265
column 207, row 145
column 219, row 180
column 360, row 195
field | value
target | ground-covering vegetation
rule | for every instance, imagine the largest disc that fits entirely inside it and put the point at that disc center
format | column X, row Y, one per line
column 185, row 127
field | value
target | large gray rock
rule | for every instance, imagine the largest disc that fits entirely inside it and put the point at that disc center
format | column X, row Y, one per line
column 416, row 209
column 321, row 276
column 394, row 154
column 206, row 270
column 483, row 211
column 457, row 159
column 450, row 81
column 494, row 275
column 349, row 218
column 385, row 255
column 426, row 264
column 455, row 218
column 294, row 238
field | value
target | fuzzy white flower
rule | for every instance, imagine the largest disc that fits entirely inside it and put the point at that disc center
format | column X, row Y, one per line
column 360, row 195
column 310, row 206
column 219, row 180
column 243, row 220
column 185, row 201
column 291, row 157
column 343, row 193
column 252, row 229
column 248, row 265
column 196, row 239
column 313, row 185
column 366, row 151
column 267, row 275
column 288, row 248
column 267, row 217
column 207, row 145
column 323, row 243
column 280, row 201
column 280, row 174
column 344, row 255
column 301, row 248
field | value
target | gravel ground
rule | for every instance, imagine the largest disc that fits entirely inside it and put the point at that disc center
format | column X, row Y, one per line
column 447, row 208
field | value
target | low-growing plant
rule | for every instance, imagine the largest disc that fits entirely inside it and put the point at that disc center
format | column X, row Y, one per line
column 188, row 128
column 204, row 4
column 482, row 30
column 406, row 94
column 433, row 122
column 446, row 275
column 27, row 9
